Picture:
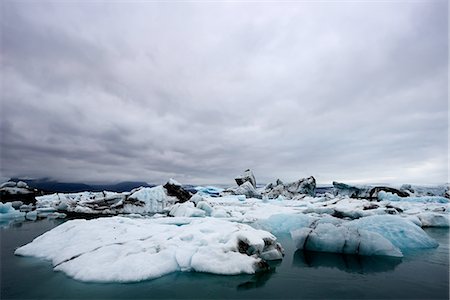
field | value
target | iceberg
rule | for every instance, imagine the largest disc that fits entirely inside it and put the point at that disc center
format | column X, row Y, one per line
column 120, row 249
column 154, row 200
column 174, row 189
column 246, row 189
column 210, row 191
column 364, row 191
column 301, row 187
column 327, row 237
column 386, row 196
column 247, row 176
column 430, row 190
column 431, row 219
column 401, row 232
column 386, row 235
column 7, row 211
column 284, row 223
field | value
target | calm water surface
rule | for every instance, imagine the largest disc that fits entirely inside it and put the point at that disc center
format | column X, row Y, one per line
column 301, row 275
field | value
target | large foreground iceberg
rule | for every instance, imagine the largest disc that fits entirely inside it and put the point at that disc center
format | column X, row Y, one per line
column 125, row 250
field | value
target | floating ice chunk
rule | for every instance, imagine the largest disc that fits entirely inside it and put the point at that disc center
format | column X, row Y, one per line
column 246, row 189
column 121, row 249
column 424, row 199
column 7, row 211
column 430, row 219
column 299, row 188
column 16, row 204
column 326, row 237
column 241, row 197
column 351, row 191
column 16, row 191
column 56, row 215
column 285, row 223
column 401, row 232
column 186, row 209
column 22, row 184
column 247, row 176
column 26, row 208
column 416, row 190
column 208, row 191
column 44, row 212
column 32, row 215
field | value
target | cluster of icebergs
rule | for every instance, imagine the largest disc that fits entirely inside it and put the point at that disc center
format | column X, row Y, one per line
column 229, row 231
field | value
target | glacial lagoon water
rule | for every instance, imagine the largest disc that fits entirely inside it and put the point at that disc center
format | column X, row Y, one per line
column 421, row 274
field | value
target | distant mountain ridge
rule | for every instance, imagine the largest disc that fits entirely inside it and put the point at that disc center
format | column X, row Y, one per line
column 75, row 187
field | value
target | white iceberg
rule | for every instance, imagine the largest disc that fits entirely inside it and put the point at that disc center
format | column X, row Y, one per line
column 118, row 249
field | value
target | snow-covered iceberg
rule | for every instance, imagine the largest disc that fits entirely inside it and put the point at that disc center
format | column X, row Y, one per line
column 119, row 249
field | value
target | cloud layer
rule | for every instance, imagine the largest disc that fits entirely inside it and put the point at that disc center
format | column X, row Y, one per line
column 200, row 91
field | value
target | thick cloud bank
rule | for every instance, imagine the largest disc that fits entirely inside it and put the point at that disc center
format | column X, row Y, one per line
column 199, row 91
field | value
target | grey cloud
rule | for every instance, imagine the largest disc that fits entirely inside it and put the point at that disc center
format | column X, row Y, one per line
column 199, row 91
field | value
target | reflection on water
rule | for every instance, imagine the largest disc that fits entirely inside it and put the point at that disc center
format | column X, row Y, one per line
column 7, row 223
column 259, row 279
column 346, row 262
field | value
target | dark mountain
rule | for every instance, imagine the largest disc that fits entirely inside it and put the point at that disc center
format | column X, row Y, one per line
column 75, row 187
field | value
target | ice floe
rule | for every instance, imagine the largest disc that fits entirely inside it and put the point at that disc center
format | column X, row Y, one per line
column 7, row 211
column 127, row 249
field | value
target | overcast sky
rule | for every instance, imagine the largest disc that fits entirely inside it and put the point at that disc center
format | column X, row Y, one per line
column 199, row 91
